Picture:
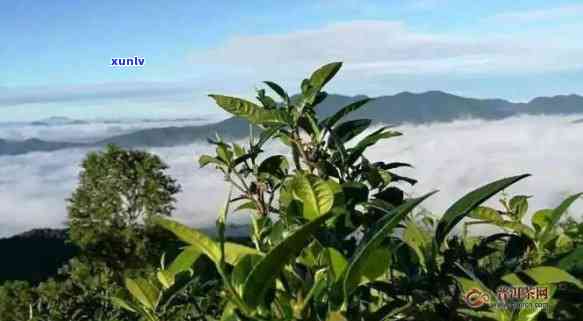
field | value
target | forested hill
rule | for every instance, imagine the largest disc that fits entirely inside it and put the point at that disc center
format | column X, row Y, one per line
column 34, row 255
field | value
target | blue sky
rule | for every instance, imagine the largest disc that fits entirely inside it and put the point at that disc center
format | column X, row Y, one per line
column 55, row 56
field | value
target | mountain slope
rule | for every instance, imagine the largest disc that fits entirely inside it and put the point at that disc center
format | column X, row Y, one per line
column 431, row 106
column 35, row 255
column 32, row 145
column 173, row 136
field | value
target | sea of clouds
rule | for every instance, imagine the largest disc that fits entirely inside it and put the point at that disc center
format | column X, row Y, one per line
column 452, row 157
column 89, row 132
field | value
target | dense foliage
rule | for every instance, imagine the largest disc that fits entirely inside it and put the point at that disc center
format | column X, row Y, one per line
column 332, row 237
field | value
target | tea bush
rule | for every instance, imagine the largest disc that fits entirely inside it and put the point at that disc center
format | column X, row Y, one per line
column 334, row 236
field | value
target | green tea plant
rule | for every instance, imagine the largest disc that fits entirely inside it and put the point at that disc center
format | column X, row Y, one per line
column 527, row 245
column 333, row 234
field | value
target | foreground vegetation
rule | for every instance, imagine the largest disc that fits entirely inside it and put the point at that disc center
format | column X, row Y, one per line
column 333, row 236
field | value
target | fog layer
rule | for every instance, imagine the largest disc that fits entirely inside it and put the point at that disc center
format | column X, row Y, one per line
column 452, row 157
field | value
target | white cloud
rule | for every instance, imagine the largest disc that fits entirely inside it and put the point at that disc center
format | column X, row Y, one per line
column 452, row 157
column 90, row 132
column 104, row 91
column 392, row 48
column 561, row 12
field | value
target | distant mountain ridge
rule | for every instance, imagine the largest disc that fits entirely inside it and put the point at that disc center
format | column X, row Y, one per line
column 405, row 107
column 8, row 147
column 58, row 121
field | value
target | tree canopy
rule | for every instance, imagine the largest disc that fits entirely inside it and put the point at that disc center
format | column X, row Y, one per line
column 119, row 192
